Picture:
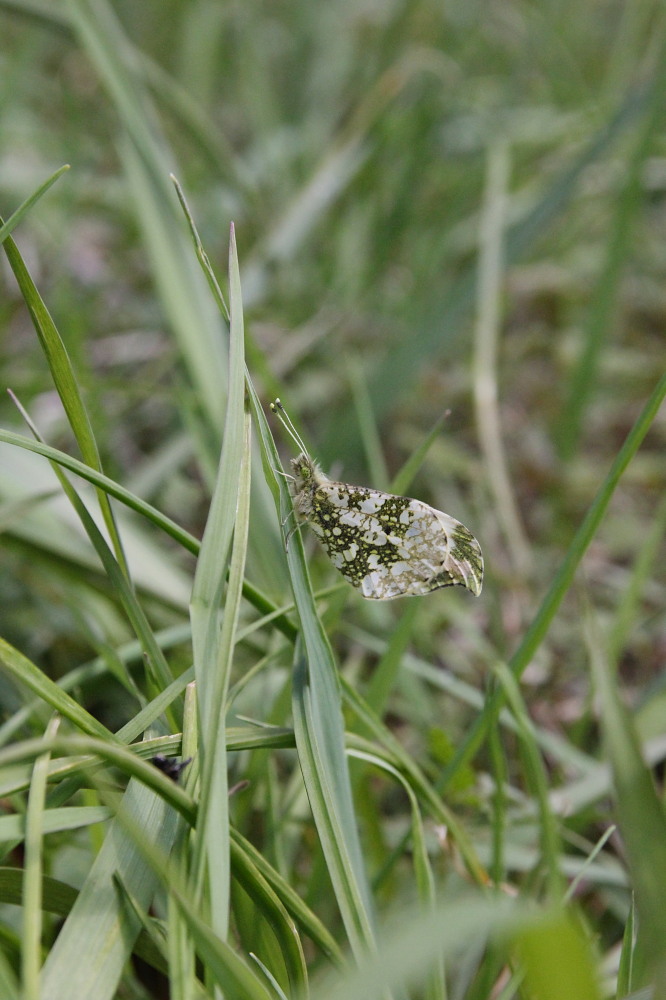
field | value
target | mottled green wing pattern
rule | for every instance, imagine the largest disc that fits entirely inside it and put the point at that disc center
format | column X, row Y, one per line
column 387, row 546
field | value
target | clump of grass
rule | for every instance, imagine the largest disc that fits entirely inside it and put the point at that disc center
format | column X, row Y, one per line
column 424, row 798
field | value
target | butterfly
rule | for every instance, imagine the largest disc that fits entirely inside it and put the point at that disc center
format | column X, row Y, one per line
column 384, row 545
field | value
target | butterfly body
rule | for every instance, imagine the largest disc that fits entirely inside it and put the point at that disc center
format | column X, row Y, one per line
column 385, row 545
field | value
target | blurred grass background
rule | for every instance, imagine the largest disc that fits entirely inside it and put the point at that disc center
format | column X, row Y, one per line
column 438, row 208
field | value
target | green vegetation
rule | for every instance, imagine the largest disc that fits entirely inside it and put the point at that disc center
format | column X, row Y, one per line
column 437, row 208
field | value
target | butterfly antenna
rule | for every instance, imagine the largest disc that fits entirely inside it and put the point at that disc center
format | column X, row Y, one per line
column 285, row 420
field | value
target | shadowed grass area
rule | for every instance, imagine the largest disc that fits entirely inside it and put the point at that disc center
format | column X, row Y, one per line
column 449, row 266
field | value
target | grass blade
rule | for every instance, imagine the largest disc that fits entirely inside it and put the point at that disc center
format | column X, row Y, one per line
column 97, row 937
column 65, row 382
column 421, row 786
column 319, row 740
column 318, row 723
column 32, row 881
column 213, row 650
column 629, row 204
column 558, row 960
column 12, row 222
column 640, row 814
column 252, row 594
column 443, row 321
column 302, row 914
column 25, row 672
column 486, row 349
column 560, row 585
column 148, row 162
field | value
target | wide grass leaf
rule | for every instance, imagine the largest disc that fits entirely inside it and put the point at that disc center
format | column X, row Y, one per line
column 89, row 955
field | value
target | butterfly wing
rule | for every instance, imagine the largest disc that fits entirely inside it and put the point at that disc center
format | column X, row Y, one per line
column 389, row 546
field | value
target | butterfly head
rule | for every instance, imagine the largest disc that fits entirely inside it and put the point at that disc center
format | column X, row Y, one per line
column 307, row 474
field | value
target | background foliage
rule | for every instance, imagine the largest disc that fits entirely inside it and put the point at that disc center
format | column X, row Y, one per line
column 437, row 208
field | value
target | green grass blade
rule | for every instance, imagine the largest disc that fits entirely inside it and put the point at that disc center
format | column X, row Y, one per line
column 182, row 957
column 65, row 382
column 202, row 256
column 486, row 351
column 563, row 580
column 155, row 660
column 604, row 305
column 214, row 813
column 645, row 563
column 424, row 877
column 497, row 868
column 213, row 650
column 57, row 896
column 640, row 813
column 318, row 723
column 537, row 779
column 625, row 972
column 368, row 430
column 252, row 594
column 148, row 162
column 32, row 882
column 9, row 987
column 443, row 320
column 12, row 827
column 213, row 555
column 6, row 228
column 557, row 959
column 26, row 673
column 191, row 314
column 421, row 786
column 158, row 706
column 289, row 897
column 274, row 911
column 85, row 752
column 91, row 950
column 554, row 745
column 222, row 962
column 402, row 481
column 102, row 482
column 318, row 731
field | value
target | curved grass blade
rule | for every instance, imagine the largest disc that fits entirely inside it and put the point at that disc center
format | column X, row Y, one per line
column 629, row 204
column 640, row 816
column 274, row 911
column 213, row 648
column 25, row 672
column 415, row 940
column 406, row 766
column 290, row 898
column 424, row 878
column 443, row 320
column 251, row 593
column 148, row 160
column 87, row 752
column 65, row 383
column 118, row 575
column 12, row 826
column 12, row 222
column 31, row 916
column 96, row 939
column 560, row 585
column 318, row 723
